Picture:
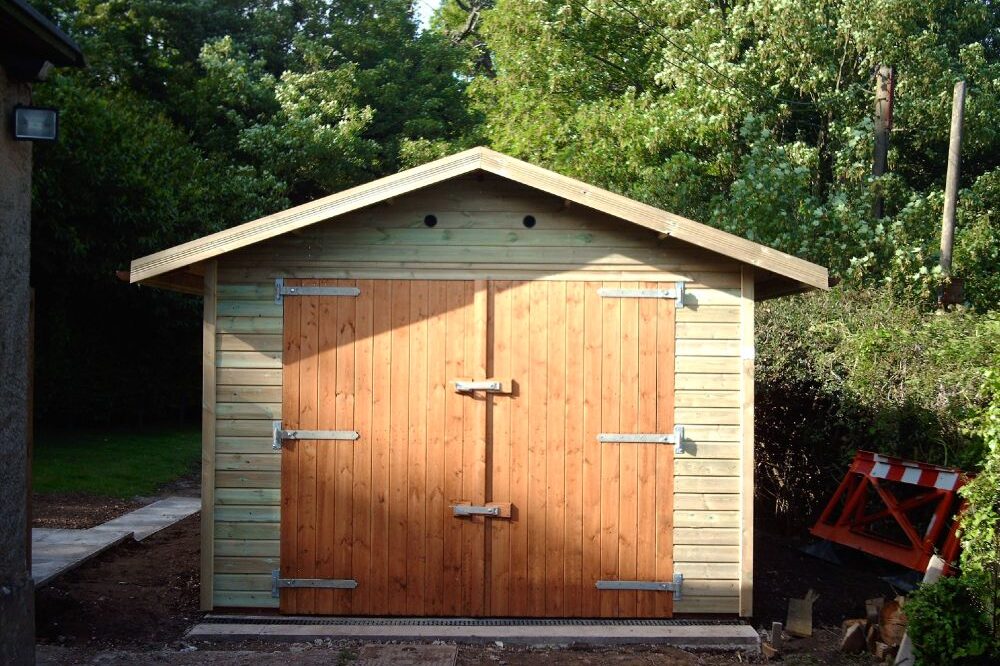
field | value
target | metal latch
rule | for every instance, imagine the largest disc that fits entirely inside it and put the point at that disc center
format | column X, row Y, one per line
column 644, row 585
column 280, row 291
column 492, row 509
column 676, row 438
column 278, row 435
column 676, row 293
column 486, row 385
column 277, row 582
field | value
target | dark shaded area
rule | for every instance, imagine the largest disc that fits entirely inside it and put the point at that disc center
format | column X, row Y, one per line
column 137, row 594
column 806, row 437
column 115, row 354
column 782, row 571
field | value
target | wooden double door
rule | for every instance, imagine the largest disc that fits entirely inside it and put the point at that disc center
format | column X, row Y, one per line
column 375, row 509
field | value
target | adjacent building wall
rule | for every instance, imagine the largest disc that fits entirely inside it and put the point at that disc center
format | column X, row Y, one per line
column 480, row 234
column 16, row 589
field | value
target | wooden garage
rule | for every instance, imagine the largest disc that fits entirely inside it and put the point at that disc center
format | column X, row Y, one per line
column 478, row 388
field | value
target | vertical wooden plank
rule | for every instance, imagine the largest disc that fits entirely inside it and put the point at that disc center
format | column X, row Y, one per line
column 380, row 438
column 500, row 366
column 555, row 451
column 416, row 519
column 208, row 433
column 474, row 451
column 345, row 379
column 628, row 454
column 398, row 445
column 363, row 496
column 592, row 408
column 611, row 380
column 520, row 409
column 666, row 347
column 437, row 505
column 537, row 422
column 575, row 383
column 747, row 298
column 288, row 549
column 453, row 439
column 329, row 507
column 308, row 420
column 646, row 500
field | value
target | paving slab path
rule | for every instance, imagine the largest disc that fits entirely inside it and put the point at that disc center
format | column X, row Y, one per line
column 56, row 551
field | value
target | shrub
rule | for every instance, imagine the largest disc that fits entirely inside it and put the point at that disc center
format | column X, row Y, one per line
column 980, row 527
column 838, row 371
column 945, row 625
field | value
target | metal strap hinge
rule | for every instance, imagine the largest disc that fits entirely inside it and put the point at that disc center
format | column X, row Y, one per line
column 645, row 585
column 278, row 435
column 676, row 293
column 676, row 438
column 280, row 291
column 277, row 582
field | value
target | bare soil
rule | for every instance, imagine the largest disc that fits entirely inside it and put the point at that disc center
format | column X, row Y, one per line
column 77, row 511
column 134, row 603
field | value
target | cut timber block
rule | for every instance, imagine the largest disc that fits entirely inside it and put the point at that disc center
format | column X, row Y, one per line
column 800, row 613
column 883, row 651
column 776, row 631
column 872, row 609
column 853, row 640
column 892, row 622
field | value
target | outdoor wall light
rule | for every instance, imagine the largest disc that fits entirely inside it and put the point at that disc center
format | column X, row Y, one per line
column 33, row 123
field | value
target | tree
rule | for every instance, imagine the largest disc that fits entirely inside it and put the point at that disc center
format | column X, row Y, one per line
column 754, row 116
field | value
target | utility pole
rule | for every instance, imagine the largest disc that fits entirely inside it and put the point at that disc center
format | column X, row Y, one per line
column 885, row 83
column 951, row 184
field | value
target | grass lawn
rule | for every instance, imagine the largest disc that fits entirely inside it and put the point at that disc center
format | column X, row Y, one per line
column 113, row 463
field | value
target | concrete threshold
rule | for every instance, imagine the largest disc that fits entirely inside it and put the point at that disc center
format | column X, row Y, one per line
column 687, row 635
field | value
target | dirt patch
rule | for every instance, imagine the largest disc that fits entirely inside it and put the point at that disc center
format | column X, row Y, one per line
column 134, row 603
column 78, row 511
column 136, row 595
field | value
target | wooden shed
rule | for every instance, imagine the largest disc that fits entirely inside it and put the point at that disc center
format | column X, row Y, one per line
column 478, row 388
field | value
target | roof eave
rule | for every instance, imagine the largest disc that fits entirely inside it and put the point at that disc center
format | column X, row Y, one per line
column 53, row 44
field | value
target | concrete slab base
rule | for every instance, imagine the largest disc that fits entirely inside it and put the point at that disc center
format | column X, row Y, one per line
column 55, row 551
column 686, row 635
column 152, row 518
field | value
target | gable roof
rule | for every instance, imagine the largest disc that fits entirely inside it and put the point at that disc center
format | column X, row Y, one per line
column 152, row 269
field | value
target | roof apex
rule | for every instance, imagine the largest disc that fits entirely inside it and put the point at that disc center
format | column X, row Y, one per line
column 809, row 275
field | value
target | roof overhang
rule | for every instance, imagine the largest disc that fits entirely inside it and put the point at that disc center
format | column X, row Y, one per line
column 780, row 273
column 28, row 41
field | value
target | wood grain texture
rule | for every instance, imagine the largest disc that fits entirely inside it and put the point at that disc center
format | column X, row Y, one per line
column 706, row 478
column 208, row 404
column 747, row 434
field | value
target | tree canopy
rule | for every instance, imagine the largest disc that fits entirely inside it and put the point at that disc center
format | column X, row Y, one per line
column 751, row 115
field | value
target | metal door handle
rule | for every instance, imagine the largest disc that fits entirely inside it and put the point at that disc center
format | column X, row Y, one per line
column 485, row 385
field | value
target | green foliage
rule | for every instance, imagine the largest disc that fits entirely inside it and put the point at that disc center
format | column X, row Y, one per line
column 945, row 625
column 847, row 369
column 194, row 116
column 755, row 116
column 112, row 463
column 980, row 563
